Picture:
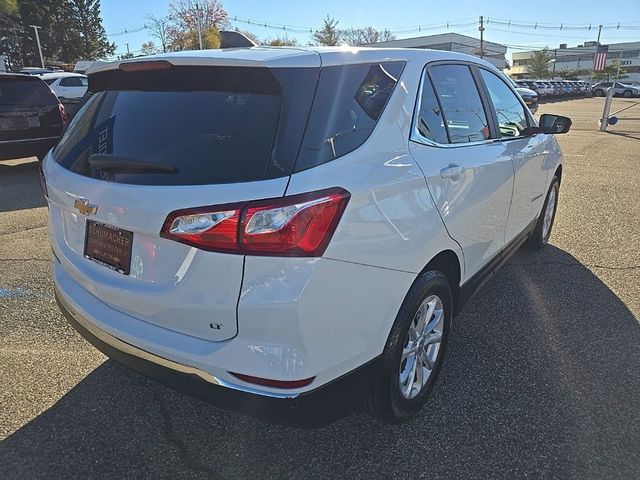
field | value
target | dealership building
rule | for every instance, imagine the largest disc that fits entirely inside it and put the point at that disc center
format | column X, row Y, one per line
column 453, row 42
column 581, row 57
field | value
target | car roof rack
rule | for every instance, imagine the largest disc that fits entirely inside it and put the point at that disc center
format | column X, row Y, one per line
column 233, row 39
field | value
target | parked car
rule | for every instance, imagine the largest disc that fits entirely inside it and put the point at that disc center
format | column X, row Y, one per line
column 35, row 70
column 546, row 88
column 66, row 85
column 600, row 89
column 529, row 96
column 302, row 251
column 31, row 117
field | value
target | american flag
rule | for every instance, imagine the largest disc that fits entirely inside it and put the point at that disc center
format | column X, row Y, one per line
column 600, row 58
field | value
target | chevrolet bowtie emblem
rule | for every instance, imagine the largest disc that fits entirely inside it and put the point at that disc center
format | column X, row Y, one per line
column 84, row 207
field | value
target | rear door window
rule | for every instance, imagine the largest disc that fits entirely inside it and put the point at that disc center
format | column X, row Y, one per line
column 349, row 101
column 462, row 108
column 189, row 125
column 25, row 91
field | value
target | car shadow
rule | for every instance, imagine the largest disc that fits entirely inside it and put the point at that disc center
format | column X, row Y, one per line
column 635, row 136
column 20, row 186
column 541, row 381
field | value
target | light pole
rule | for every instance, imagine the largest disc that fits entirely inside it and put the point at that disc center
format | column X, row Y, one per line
column 553, row 71
column 199, row 27
column 35, row 29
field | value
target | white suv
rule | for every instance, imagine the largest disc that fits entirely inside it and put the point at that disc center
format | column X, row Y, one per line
column 66, row 85
column 289, row 231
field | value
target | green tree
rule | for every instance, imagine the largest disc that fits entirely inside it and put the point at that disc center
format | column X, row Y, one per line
column 281, row 42
column 610, row 71
column 89, row 40
column 538, row 65
column 10, row 32
column 573, row 74
column 8, row 7
column 328, row 34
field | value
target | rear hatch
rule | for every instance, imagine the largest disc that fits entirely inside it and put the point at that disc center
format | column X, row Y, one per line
column 161, row 138
column 28, row 109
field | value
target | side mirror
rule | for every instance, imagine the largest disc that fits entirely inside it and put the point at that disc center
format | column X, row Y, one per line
column 553, row 124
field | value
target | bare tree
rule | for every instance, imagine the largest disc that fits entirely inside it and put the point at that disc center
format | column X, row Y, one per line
column 159, row 28
column 365, row 36
column 386, row 36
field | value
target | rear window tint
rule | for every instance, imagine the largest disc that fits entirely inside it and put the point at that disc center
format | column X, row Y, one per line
column 348, row 103
column 25, row 91
column 201, row 125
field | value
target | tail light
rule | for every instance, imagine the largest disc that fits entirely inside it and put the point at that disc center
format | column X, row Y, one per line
column 299, row 225
column 64, row 115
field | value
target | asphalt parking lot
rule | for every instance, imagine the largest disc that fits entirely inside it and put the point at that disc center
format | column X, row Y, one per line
column 542, row 377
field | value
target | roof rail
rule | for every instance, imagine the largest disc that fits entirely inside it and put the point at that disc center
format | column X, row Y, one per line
column 232, row 39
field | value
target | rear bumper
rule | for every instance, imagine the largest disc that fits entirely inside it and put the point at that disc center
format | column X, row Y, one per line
column 313, row 408
column 29, row 147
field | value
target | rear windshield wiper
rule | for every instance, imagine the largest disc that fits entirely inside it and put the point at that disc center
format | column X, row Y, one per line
column 121, row 163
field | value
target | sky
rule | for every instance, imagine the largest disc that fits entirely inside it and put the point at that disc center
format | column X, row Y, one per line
column 403, row 17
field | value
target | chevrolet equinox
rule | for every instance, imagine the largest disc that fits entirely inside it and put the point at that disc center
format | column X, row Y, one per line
column 288, row 232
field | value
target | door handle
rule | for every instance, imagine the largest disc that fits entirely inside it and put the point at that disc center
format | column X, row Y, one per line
column 453, row 171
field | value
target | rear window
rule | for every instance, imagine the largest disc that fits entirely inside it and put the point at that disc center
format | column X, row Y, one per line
column 189, row 125
column 348, row 103
column 74, row 82
column 25, row 91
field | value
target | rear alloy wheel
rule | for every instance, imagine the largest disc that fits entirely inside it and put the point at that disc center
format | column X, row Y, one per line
column 626, row 94
column 540, row 236
column 421, row 347
column 414, row 350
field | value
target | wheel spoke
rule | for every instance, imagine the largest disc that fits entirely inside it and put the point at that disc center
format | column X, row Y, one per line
column 433, row 323
column 413, row 333
column 427, row 327
column 412, row 376
column 419, row 376
column 433, row 337
column 422, row 318
column 430, row 355
column 406, row 351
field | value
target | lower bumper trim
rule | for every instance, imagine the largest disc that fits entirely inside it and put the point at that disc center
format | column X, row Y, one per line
column 315, row 408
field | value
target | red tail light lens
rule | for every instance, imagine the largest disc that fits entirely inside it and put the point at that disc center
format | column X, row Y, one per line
column 208, row 228
column 299, row 225
column 144, row 66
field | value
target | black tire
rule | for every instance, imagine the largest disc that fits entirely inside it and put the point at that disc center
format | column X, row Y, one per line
column 538, row 240
column 626, row 94
column 386, row 402
column 599, row 92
